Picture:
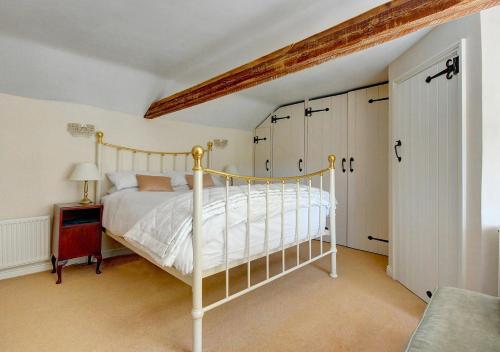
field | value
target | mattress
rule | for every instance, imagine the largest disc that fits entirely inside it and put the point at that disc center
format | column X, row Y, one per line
column 161, row 222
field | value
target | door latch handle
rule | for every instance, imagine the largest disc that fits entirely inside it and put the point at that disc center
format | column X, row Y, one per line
column 300, row 165
column 343, row 164
column 396, row 146
column 351, row 160
column 267, row 165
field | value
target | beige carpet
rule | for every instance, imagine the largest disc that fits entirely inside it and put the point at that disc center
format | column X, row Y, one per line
column 134, row 306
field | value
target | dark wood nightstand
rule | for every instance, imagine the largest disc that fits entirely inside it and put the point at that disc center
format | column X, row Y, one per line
column 77, row 233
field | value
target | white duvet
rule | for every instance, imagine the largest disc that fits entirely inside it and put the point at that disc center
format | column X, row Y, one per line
column 161, row 222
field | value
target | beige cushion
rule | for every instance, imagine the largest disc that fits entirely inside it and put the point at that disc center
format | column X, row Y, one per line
column 149, row 183
column 207, row 181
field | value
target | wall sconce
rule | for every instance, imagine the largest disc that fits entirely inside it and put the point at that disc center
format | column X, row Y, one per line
column 220, row 143
column 81, row 130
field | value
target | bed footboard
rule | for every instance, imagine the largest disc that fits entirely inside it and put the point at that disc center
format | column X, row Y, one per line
column 197, row 274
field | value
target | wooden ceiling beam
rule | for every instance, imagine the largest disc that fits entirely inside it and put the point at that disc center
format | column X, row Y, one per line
column 378, row 25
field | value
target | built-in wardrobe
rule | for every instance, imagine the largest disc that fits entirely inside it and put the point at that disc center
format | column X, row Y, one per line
column 298, row 138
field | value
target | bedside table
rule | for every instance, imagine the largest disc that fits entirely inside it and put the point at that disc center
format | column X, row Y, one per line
column 77, row 233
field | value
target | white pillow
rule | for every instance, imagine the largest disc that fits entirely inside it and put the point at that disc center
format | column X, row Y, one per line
column 219, row 181
column 177, row 178
column 122, row 179
column 180, row 188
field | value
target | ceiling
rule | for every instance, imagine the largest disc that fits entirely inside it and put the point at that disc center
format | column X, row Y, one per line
column 162, row 46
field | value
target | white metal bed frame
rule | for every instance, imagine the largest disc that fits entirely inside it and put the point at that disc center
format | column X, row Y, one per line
column 197, row 275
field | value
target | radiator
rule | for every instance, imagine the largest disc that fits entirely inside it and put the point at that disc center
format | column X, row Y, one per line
column 24, row 241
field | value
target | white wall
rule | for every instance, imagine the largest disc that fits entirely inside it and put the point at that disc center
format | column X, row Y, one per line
column 482, row 143
column 490, row 191
column 436, row 41
column 37, row 153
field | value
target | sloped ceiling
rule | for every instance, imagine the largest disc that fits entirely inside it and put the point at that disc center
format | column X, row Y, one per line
column 124, row 54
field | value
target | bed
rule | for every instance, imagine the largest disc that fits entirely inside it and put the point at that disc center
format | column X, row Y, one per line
column 196, row 233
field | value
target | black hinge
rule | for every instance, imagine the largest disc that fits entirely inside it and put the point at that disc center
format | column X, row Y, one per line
column 371, row 101
column 256, row 139
column 274, row 119
column 310, row 111
column 371, row 238
column 452, row 68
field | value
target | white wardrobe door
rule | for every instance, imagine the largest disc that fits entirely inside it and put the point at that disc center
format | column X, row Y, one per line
column 262, row 152
column 427, row 190
column 368, row 169
column 289, row 141
column 327, row 134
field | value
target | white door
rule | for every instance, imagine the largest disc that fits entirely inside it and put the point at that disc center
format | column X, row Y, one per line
column 327, row 134
column 288, row 141
column 427, row 181
column 262, row 152
column 368, row 169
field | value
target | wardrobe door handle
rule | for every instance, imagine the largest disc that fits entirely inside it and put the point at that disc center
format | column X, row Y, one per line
column 396, row 146
column 300, row 165
column 351, row 160
column 343, row 164
column 267, row 165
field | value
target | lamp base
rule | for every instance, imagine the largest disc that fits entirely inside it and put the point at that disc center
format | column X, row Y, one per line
column 85, row 201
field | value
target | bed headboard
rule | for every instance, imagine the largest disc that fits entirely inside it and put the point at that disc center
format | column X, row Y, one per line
column 114, row 157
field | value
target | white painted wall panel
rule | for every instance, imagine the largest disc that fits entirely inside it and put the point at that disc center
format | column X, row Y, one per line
column 327, row 134
column 490, row 189
column 427, row 195
column 368, row 180
column 262, row 152
column 289, row 141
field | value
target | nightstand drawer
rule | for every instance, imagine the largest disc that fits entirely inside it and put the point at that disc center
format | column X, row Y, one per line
column 79, row 240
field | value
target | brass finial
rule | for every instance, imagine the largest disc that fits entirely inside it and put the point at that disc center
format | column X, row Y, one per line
column 331, row 161
column 99, row 136
column 197, row 153
column 210, row 146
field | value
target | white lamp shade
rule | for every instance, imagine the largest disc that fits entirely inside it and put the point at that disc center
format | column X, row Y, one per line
column 85, row 172
column 231, row 169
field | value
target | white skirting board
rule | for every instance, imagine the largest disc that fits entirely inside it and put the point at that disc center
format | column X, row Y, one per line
column 46, row 265
column 388, row 271
column 25, row 270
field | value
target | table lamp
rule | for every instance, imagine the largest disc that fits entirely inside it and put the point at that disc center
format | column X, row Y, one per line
column 85, row 172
